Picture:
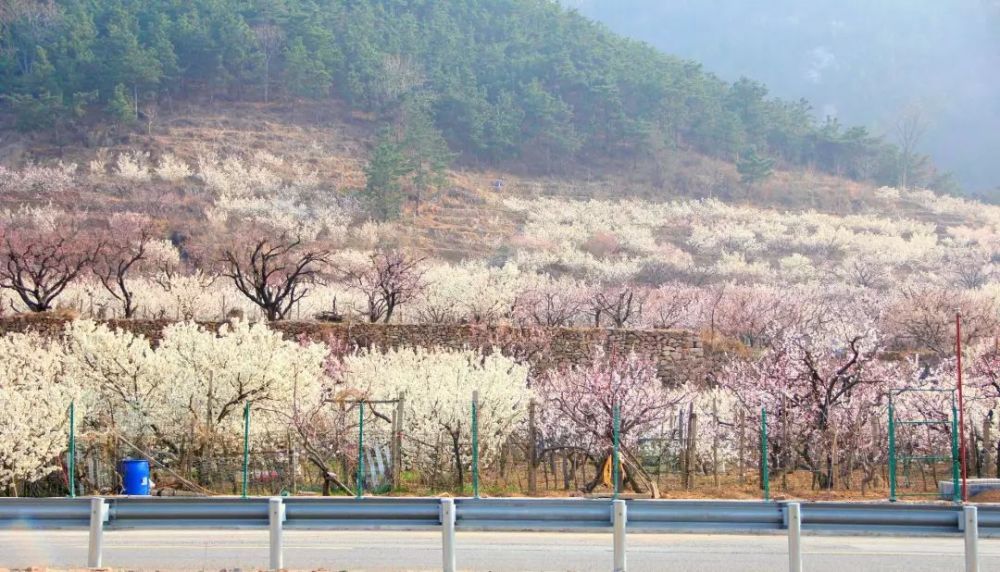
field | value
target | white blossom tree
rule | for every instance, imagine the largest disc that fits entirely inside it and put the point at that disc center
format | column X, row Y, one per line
column 214, row 374
column 124, row 377
column 438, row 388
column 34, row 398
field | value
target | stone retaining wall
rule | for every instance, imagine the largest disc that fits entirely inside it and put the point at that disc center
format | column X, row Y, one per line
column 679, row 354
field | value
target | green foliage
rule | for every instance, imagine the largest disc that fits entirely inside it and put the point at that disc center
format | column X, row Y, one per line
column 496, row 79
column 305, row 74
column 35, row 112
column 120, row 106
column 383, row 193
column 410, row 158
column 753, row 168
column 424, row 147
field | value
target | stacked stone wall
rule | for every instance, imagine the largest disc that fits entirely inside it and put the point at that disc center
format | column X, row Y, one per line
column 679, row 354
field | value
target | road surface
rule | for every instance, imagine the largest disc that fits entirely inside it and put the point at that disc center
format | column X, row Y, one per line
column 385, row 550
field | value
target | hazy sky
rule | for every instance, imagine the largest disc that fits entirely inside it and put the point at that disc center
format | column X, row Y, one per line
column 859, row 60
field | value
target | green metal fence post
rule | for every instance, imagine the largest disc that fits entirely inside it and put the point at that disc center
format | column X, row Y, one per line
column 475, row 444
column 246, row 447
column 360, row 481
column 616, row 475
column 71, row 462
column 956, row 492
column 765, row 476
column 892, row 452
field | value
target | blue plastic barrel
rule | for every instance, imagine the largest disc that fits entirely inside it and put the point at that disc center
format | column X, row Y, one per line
column 135, row 477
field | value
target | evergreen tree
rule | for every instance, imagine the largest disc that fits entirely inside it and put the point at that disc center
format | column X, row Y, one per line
column 121, row 107
column 753, row 168
column 383, row 193
column 126, row 62
column 305, row 74
column 424, row 148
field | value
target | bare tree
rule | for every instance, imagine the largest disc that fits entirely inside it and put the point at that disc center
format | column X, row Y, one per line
column 269, row 37
column 550, row 306
column 149, row 111
column 970, row 269
column 390, row 279
column 672, row 306
column 910, row 129
column 273, row 272
column 399, row 75
column 618, row 304
column 866, row 271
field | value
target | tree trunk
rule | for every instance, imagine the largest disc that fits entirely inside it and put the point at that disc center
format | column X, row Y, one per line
column 989, row 447
column 532, row 451
column 457, row 450
column 715, row 442
column 636, row 473
column 742, row 445
column 565, row 471
column 832, row 462
column 598, row 473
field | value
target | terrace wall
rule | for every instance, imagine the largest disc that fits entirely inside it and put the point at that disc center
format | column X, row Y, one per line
column 679, row 354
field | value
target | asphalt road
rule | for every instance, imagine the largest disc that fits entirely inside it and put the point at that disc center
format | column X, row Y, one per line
column 384, row 550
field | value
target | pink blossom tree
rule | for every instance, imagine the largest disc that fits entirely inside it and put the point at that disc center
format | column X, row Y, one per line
column 551, row 303
column 388, row 280
column 982, row 398
column 578, row 403
column 923, row 317
column 41, row 256
column 822, row 390
column 124, row 252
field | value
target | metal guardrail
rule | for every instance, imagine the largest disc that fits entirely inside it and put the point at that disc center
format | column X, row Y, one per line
column 494, row 514
column 513, row 514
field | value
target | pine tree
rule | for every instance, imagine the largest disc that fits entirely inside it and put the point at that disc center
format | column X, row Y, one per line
column 753, row 168
column 425, row 150
column 305, row 75
column 384, row 173
column 120, row 106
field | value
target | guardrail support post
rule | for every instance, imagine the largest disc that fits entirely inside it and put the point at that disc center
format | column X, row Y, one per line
column 448, row 534
column 619, row 517
column 98, row 516
column 276, row 520
column 794, row 537
column 971, row 516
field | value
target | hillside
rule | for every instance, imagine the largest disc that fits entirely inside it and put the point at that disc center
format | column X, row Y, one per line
column 628, row 189
column 513, row 83
column 502, row 255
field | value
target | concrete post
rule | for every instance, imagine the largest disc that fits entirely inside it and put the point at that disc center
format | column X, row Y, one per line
column 971, row 516
column 276, row 520
column 98, row 516
column 794, row 537
column 448, row 534
column 619, row 519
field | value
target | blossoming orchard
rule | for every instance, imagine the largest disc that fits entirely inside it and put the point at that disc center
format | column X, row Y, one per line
column 817, row 329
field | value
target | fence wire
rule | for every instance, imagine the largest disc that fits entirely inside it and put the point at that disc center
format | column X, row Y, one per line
column 365, row 448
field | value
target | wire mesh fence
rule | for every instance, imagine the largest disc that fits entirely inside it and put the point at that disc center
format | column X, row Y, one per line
column 363, row 448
